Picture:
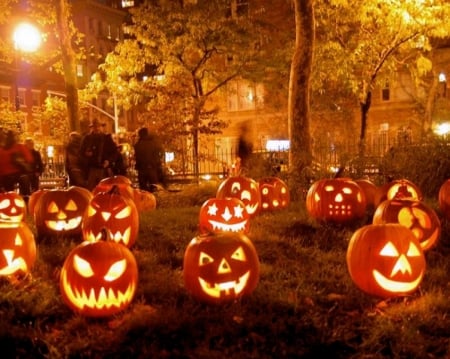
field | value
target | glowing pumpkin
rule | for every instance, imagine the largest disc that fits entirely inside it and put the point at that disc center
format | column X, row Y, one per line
column 115, row 212
column 385, row 260
column 421, row 219
column 33, row 199
column 58, row 212
column 123, row 183
column 243, row 188
column 398, row 189
column 444, row 199
column 223, row 215
column 99, row 278
column 12, row 207
column 274, row 193
column 370, row 192
column 144, row 200
column 220, row 267
column 336, row 200
column 17, row 249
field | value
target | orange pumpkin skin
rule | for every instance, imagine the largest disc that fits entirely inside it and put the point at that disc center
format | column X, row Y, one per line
column 145, row 201
column 12, row 207
column 17, row 249
column 338, row 200
column 223, row 215
column 221, row 267
column 114, row 212
column 99, row 279
column 122, row 182
column 370, row 191
column 59, row 212
column 399, row 189
column 33, row 199
column 415, row 215
column 274, row 193
column 444, row 199
column 385, row 260
column 243, row 188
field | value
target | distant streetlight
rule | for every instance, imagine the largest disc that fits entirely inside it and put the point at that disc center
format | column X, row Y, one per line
column 27, row 38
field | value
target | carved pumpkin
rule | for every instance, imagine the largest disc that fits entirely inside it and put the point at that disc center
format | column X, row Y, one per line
column 123, row 183
column 99, row 278
column 17, row 249
column 274, row 193
column 385, row 260
column 12, row 207
column 399, row 189
column 421, row 219
column 33, row 199
column 144, row 200
column 444, row 199
column 223, row 215
column 244, row 188
column 115, row 212
column 336, row 200
column 220, row 267
column 58, row 212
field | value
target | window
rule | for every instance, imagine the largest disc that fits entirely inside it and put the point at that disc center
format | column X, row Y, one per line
column 5, row 94
column 243, row 95
column 80, row 72
column 385, row 92
column 127, row 3
column 35, row 98
column 21, row 98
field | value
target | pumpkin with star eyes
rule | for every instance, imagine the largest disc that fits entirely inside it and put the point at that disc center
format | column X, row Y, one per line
column 59, row 212
column 385, row 260
column 12, row 207
column 243, row 188
column 420, row 218
column 220, row 267
column 444, row 199
column 338, row 200
column 123, row 183
column 274, row 193
column 115, row 212
column 99, row 279
column 17, row 249
column 223, row 215
column 398, row 189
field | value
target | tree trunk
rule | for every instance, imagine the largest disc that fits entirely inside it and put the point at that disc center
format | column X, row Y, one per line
column 364, row 106
column 69, row 64
column 300, row 156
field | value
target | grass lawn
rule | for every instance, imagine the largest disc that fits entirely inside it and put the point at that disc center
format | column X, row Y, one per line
column 305, row 304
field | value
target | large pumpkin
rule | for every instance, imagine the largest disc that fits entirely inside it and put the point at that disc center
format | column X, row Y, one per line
column 385, row 260
column 274, row 193
column 399, row 189
column 114, row 212
column 223, row 215
column 370, row 190
column 17, row 249
column 421, row 219
column 243, row 188
column 123, row 183
column 59, row 212
column 99, row 278
column 336, row 200
column 220, row 267
column 444, row 199
column 12, row 207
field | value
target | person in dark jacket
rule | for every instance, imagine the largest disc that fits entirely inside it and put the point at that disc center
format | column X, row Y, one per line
column 73, row 165
column 37, row 168
column 149, row 159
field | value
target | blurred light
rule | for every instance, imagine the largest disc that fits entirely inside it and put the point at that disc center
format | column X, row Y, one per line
column 442, row 129
column 169, row 156
column 50, row 151
column 442, row 77
column 27, row 38
column 277, row 145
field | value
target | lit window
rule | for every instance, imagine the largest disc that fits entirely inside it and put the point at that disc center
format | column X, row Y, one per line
column 127, row 3
column 80, row 72
column 277, row 145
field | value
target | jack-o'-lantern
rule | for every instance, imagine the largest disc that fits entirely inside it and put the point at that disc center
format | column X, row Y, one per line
column 220, row 267
column 99, row 279
column 144, row 200
column 17, row 249
column 123, row 183
column 398, row 189
column 115, row 212
column 59, row 212
column 385, row 260
column 274, row 193
column 33, row 199
column 223, row 215
column 12, row 206
column 444, row 199
column 244, row 188
column 421, row 219
column 335, row 200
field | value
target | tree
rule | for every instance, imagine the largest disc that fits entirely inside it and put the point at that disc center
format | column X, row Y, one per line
column 300, row 157
column 176, row 59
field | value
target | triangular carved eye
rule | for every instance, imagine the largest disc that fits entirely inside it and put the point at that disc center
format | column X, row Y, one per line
column 413, row 251
column 91, row 211
column 239, row 255
column 389, row 250
column 124, row 213
column 71, row 206
column 204, row 259
column 52, row 207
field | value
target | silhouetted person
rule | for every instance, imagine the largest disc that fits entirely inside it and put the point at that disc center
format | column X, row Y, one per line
column 245, row 149
column 38, row 166
column 73, row 164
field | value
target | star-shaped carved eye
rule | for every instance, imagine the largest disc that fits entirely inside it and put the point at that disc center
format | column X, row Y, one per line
column 212, row 210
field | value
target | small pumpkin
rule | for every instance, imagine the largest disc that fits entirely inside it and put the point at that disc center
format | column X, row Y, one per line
column 274, row 193
column 115, row 212
column 444, row 199
column 12, row 207
column 99, row 279
column 399, row 189
column 243, row 188
column 336, row 200
column 145, row 201
column 220, row 267
column 223, row 215
column 421, row 219
column 385, row 260
column 123, row 183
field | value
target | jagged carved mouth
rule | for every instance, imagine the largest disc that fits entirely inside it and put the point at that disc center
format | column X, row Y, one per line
column 63, row 225
column 216, row 290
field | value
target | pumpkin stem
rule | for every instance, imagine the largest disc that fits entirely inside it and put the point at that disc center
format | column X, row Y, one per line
column 104, row 234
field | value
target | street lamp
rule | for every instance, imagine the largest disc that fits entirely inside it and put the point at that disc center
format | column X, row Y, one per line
column 27, row 38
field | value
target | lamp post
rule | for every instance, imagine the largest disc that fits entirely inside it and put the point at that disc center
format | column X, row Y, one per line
column 27, row 38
